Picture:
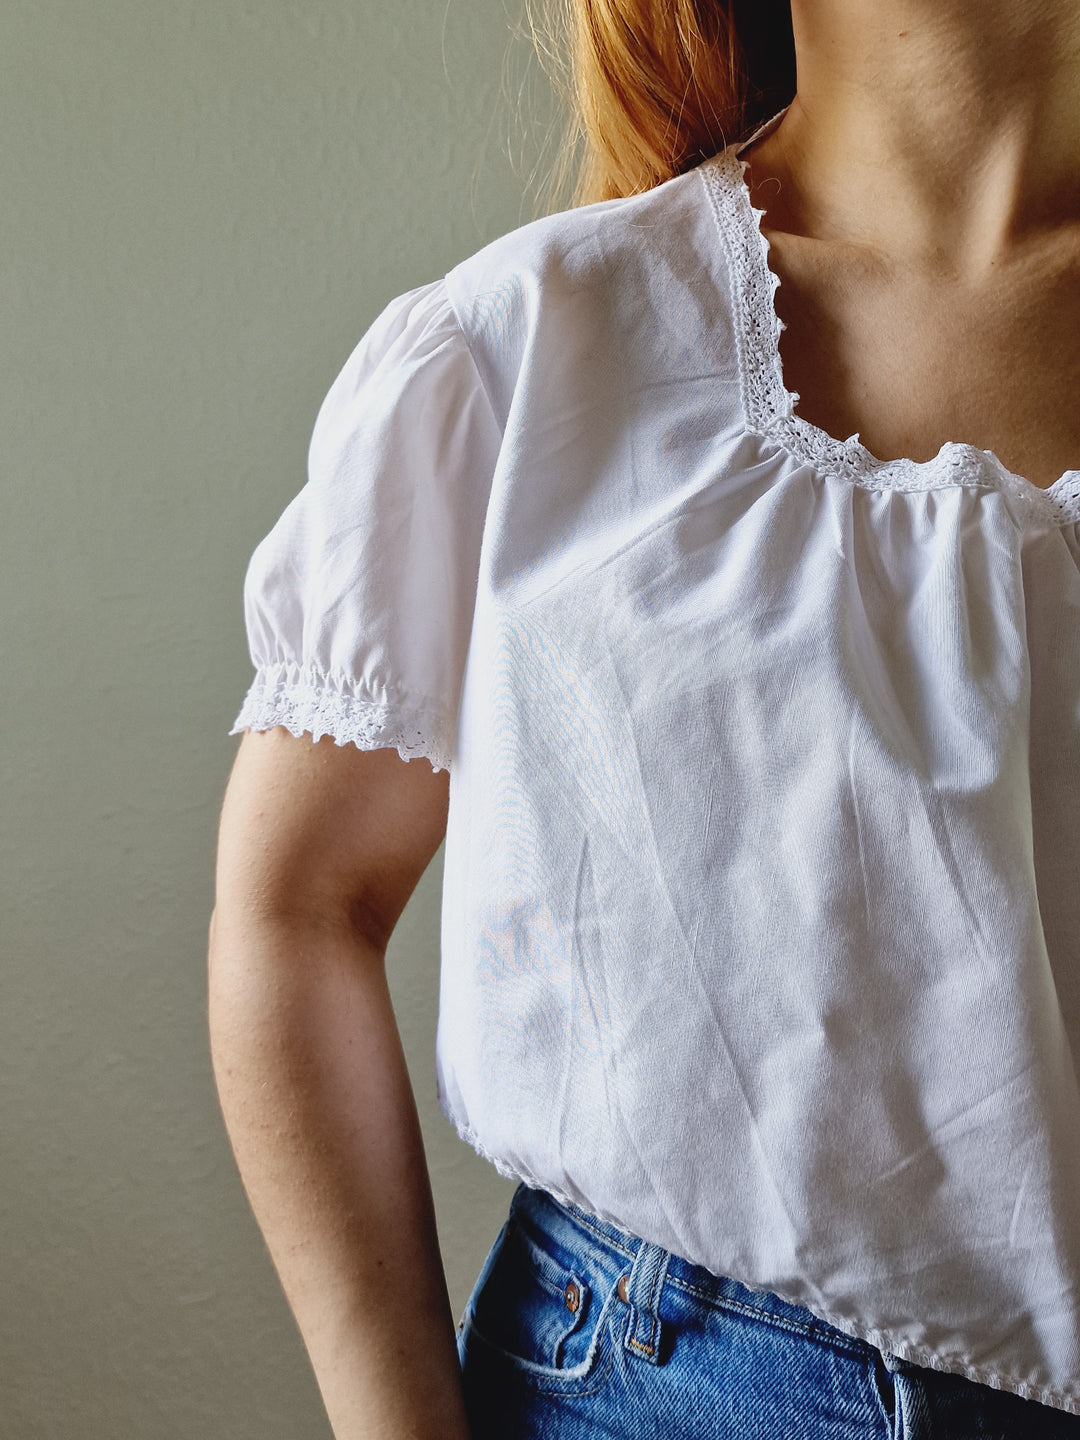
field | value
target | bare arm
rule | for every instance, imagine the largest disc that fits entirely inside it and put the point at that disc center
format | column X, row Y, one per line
column 320, row 848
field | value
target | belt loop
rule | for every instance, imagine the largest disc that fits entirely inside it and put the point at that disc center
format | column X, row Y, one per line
column 911, row 1414
column 643, row 1291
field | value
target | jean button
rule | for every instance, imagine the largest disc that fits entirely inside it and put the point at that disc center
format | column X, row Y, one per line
column 624, row 1294
column 572, row 1296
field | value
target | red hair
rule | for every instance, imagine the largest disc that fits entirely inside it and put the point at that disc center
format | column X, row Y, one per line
column 655, row 86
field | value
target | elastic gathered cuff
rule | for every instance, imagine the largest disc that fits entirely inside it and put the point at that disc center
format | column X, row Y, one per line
column 307, row 702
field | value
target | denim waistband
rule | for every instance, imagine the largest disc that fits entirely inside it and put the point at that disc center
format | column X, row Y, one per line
column 663, row 1267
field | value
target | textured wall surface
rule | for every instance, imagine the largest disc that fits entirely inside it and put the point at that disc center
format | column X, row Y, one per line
column 204, row 204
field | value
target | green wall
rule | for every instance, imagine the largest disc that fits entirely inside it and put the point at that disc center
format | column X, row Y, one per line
column 202, row 206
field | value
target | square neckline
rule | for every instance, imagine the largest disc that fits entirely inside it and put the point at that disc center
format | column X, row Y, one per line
column 770, row 407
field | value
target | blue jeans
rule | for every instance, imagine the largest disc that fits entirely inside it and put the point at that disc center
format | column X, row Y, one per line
column 577, row 1330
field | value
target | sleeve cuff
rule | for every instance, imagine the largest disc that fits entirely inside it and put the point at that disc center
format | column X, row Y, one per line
column 306, row 702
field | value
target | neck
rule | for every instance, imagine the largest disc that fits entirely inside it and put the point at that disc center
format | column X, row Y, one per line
column 937, row 128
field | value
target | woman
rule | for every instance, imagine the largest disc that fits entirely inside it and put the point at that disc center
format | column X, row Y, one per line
column 761, row 908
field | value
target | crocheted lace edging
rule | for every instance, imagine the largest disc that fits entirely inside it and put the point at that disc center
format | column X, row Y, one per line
column 307, row 702
column 769, row 406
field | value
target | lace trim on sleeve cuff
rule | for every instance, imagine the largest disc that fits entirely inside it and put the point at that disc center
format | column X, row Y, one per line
column 307, row 702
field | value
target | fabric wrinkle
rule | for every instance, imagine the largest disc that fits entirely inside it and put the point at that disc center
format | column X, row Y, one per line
column 589, row 972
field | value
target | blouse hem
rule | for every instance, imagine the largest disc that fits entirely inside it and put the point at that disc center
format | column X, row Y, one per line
column 880, row 1339
column 305, row 701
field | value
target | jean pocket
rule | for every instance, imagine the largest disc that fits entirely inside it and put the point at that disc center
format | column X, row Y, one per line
column 541, row 1310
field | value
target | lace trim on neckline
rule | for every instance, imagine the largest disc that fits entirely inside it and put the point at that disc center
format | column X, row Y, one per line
column 769, row 407
column 306, row 702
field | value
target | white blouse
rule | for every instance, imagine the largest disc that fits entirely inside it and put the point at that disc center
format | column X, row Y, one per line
column 761, row 912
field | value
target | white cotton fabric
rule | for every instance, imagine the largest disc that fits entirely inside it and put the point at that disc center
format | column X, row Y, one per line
column 761, row 919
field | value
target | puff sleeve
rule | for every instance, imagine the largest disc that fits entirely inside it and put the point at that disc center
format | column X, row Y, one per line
column 359, row 602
